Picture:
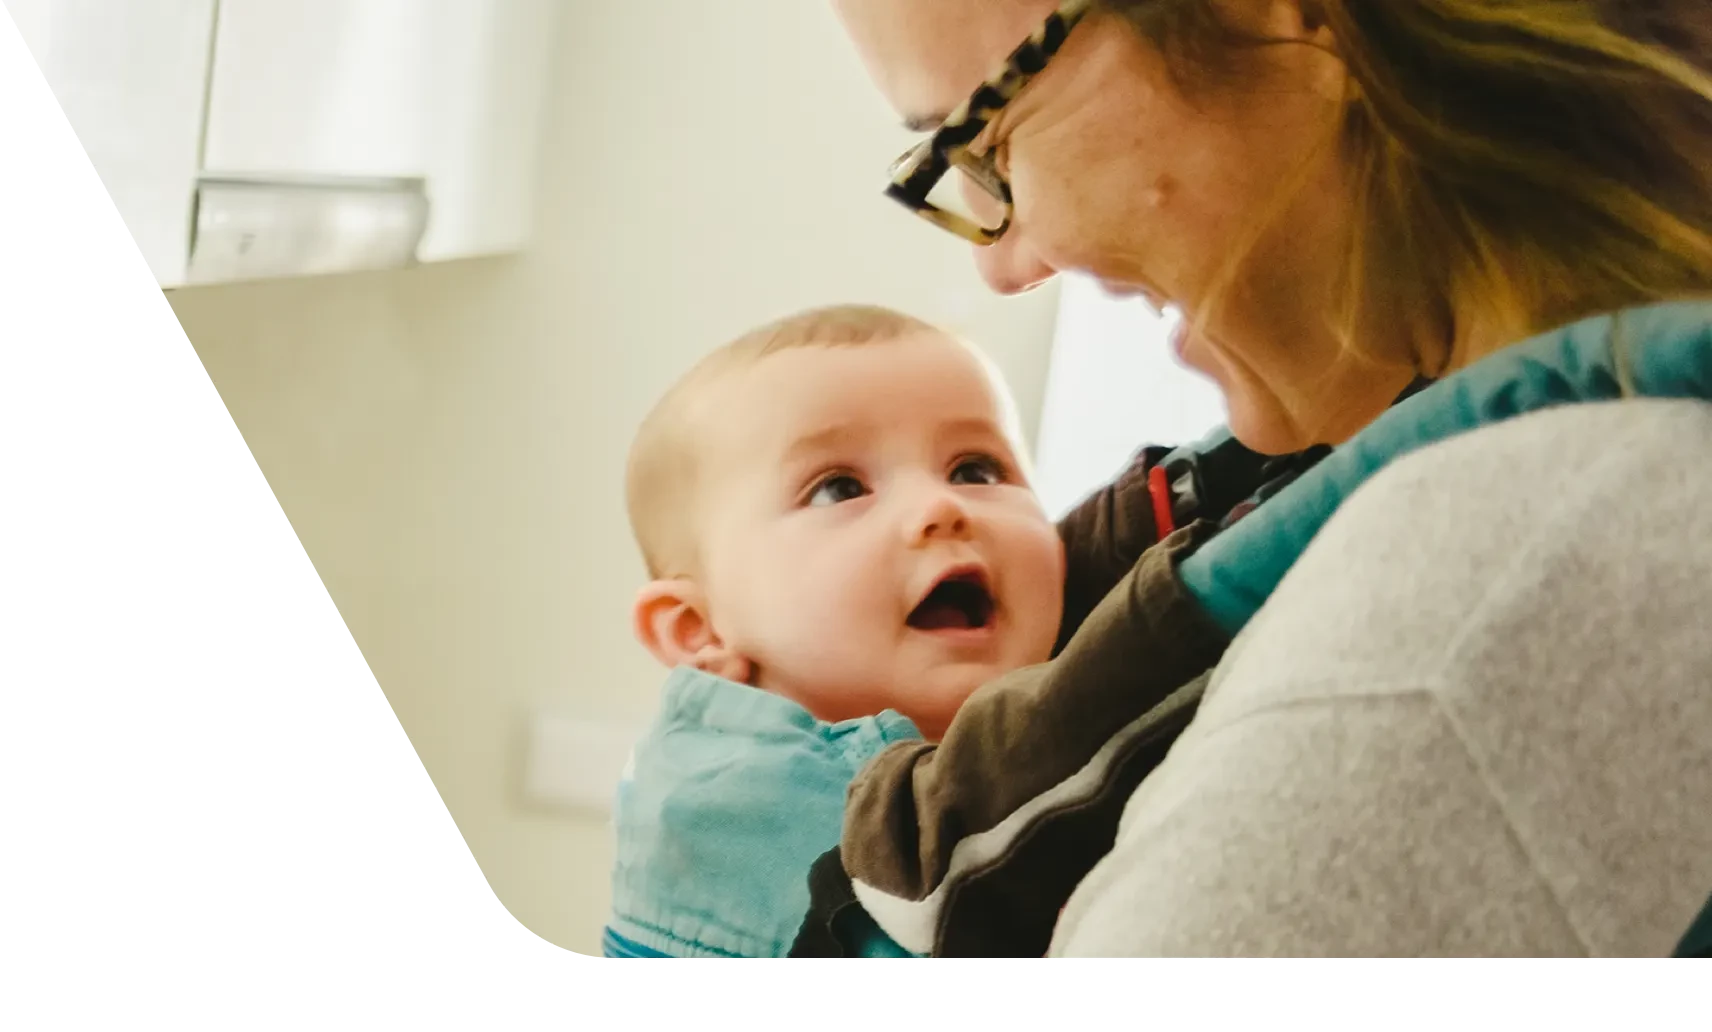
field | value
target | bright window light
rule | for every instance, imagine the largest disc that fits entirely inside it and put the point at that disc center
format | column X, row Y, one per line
column 1113, row 386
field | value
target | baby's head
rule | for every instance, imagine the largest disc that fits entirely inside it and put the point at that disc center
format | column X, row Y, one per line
column 835, row 508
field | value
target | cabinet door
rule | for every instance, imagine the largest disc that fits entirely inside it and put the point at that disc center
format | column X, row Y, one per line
column 447, row 91
column 493, row 57
column 130, row 76
column 311, row 89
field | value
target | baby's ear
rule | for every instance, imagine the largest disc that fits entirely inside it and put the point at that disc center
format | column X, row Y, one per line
column 670, row 620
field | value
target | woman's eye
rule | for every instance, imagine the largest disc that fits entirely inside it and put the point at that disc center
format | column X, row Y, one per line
column 841, row 487
column 979, row 470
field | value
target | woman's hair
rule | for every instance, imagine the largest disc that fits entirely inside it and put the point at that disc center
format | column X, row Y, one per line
column 1550, row 158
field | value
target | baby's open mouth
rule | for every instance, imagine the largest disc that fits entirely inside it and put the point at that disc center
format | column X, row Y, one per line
column 959, row 602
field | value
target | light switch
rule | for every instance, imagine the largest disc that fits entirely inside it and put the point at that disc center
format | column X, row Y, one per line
column 575, row 763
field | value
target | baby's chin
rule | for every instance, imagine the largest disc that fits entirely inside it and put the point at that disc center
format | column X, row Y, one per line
column 929, row 695
column 942, row 694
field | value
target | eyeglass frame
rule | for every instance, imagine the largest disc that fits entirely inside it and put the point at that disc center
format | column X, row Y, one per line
column 918, row 170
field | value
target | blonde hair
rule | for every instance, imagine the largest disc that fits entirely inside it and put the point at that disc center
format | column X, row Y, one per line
column 661, row 476
column 1534, row 161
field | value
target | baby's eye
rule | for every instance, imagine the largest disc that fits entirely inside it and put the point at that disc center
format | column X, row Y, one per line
column 978, row 469
column 840, row 487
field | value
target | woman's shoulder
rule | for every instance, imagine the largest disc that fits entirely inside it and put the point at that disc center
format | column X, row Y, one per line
column 1594, row 510
column 1583, row 470
column 1472, row 718
column 1550, row 549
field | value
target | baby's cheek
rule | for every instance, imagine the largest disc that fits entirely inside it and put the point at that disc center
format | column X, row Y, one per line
column 1043, row 594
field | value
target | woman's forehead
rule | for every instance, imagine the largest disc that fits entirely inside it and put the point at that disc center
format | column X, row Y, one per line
column 927, row 56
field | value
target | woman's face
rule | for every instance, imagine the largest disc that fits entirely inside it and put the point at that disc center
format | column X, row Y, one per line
column 1151, row 186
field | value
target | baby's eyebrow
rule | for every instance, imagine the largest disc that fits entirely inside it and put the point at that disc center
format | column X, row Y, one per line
column 817, row 442
column 971, row 427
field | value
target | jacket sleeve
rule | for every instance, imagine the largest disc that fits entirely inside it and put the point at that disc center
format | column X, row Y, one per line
column 1104, row 536
column 972, row 846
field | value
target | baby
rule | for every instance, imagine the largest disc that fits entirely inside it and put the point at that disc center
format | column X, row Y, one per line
column 843, row 545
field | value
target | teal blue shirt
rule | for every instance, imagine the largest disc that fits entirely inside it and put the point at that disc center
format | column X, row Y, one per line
column 728, row 800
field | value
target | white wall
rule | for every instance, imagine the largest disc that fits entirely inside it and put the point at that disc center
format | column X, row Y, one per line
column 1115, row 384
column 448, row 441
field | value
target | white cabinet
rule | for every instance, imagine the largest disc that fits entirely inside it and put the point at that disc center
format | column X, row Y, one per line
column 446, row 91
column 249, row 138
column 488, row 92
column 130, row 77
column 322, row 88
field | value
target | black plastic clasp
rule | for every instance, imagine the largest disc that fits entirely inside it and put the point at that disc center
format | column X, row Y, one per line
column 1210, row 477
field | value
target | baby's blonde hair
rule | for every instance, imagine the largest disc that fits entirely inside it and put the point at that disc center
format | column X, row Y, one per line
column 661, row 478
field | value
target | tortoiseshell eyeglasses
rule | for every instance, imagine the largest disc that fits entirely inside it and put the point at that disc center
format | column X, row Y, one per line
column 976, row 205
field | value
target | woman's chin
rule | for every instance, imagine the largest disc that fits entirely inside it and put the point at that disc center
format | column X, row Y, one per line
column 1177, row 339
column 1261, row 426
column 1253, row 413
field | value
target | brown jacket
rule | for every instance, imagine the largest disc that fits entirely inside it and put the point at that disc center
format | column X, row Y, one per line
column 971, row 846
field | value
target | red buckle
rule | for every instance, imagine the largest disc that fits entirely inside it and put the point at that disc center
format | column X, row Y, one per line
column 1159, row 489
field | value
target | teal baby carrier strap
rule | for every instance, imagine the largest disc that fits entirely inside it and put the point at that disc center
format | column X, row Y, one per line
column 1668, row 354
column 1665, row 351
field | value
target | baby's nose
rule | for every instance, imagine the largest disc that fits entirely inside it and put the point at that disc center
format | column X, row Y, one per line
column 942, row 514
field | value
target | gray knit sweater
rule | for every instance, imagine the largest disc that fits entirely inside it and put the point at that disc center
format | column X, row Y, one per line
column 1475, row 718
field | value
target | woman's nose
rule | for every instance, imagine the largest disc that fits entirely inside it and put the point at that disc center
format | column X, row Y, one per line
column 1010, row 265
